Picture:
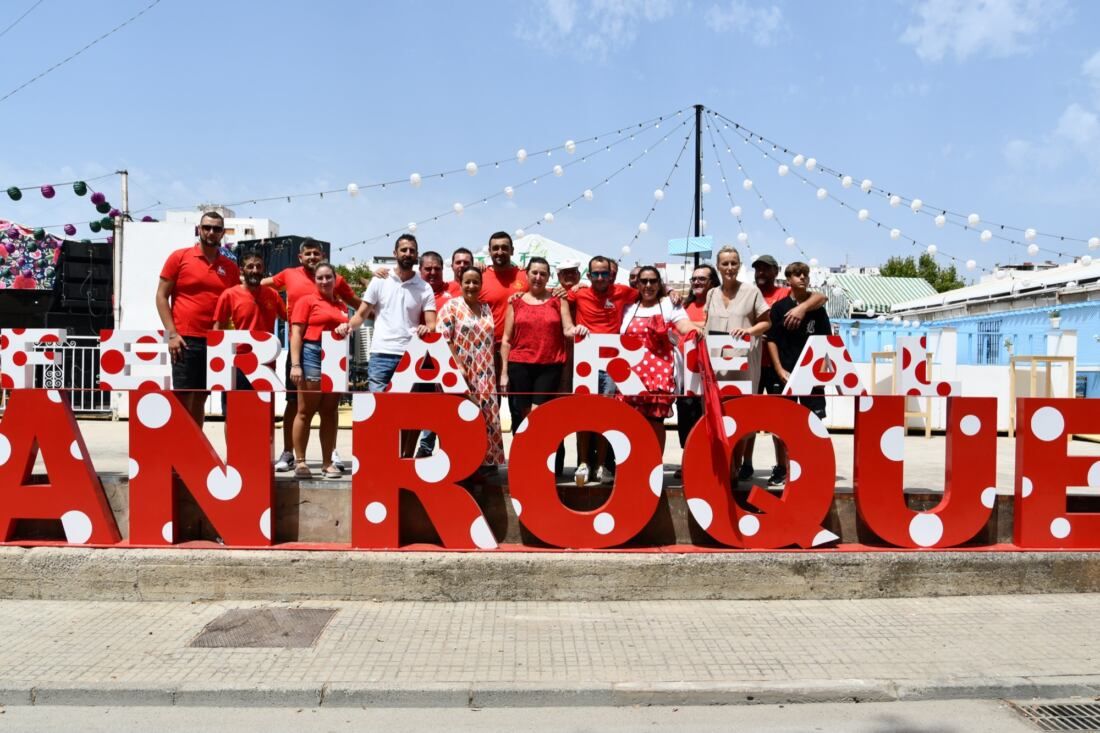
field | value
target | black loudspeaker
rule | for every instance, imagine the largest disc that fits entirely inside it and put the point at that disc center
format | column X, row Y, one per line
column 85, row 275
column 279, row 252
column 24, row 308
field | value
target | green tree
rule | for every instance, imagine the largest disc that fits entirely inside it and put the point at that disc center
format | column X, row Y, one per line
column 926, row 267
column 357, row 276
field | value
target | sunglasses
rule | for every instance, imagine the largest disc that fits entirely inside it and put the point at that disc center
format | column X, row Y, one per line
column 700, row 279
column 648, row 281
column 599, row 275
column 212, row 228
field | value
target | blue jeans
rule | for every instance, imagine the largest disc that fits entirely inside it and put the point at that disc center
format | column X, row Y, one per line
column 606, row 385
column 380, row 369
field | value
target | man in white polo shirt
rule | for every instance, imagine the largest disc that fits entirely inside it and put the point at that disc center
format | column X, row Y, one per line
column 399, row 300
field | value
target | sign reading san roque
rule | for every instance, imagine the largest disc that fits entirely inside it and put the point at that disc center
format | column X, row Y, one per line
column 168, row 452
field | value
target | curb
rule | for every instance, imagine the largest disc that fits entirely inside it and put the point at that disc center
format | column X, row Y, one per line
column 535, row 695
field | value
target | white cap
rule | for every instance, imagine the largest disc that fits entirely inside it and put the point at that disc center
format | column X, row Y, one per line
column 569, row 265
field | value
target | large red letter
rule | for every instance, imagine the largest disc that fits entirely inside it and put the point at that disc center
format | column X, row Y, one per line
column 37, row 419
column 971, row 475
column 791, row 519
column 379, row 473
column 1043, row 471
column 638, row 478
column 235, row 494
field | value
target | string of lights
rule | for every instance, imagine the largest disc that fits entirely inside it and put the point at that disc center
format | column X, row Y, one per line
column 735, row 208
column 38, row 187
column 643, row 226
column 966, row 221
column 17, row 20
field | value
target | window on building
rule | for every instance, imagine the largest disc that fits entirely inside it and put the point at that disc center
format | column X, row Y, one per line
column 989, row 347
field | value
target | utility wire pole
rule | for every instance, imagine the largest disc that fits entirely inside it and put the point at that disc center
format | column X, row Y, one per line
column 698, row 175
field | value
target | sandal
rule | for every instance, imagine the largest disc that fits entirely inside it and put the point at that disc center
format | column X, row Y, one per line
column 331, row 472
column 301, row 470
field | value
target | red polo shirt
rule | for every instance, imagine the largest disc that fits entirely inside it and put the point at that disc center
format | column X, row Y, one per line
column 454, row 287
column 197, row 285
column 318, row 314
column 240, row 308
column 298, row 284
column 603, row 314
column 440, row 298
column 771, row 297
column 497, row 289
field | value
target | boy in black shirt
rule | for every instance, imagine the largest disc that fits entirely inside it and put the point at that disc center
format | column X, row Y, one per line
column 785, row 346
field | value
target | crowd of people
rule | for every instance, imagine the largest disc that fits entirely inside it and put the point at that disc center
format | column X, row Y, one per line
column 510, row 332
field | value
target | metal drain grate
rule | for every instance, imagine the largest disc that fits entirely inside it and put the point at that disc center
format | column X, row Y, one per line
column 265, row 627
column 1069, row 716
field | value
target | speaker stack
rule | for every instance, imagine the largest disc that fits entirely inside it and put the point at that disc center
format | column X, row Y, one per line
column 83, row 291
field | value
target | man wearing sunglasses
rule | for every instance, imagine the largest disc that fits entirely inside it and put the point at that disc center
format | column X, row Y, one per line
column 191, row 281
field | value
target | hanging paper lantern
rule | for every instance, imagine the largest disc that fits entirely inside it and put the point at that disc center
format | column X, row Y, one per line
column 80, row 188
column 414, row 179
column 588, row 195
column 846, row 181
column 548, row 217
column 863, row 214
column 14, row 193
column 111, row 239
column 1086, row 260
column 70, row 229
column 971, row 264
column 973, row 220
column 784, row 169
column 471, row 168
column 1030, row 234
column 932, row 249
column 1094, row 242
column 94, row 226
column 643, row 227
column 916, row 205
column 735, row 210
column 813, row 262
column 509, row 191
column 865, row 185
column 743, row 237
column 107, row 222
column 47, row 191
column 822, row 194
column 39, row 234
column 558, row 170
column 769, row 214
column 747, row 184
column 895, row 200
column 791, row 241
column 114, row 213
column 147, row 218
column 570, row 147
column 98, row 198
column 986, row 235
column 521, row 155
column 353, row 189
column 520, row 233
column 895, row 234
column 1033, row 249
column 799, row 160
column 626, row 250
column 412, row 227
column 103, row 207
column 811, row 163
column 659, row 194
column 705, row 188
column 940, row 220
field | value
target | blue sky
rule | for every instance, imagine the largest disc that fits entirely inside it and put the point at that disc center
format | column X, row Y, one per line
column 988, row 107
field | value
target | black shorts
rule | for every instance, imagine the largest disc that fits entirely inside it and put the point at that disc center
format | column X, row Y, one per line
column 190, row 371
column 770, row 383
column 240, row 382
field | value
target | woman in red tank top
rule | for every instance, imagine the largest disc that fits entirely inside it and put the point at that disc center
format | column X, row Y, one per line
column 536, row 325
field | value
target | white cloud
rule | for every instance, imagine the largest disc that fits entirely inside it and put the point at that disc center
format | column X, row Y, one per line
column 591, row 28
column 964, row 28
column 762, row 24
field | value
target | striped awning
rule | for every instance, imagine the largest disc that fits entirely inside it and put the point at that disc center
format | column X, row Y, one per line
column 880, row 293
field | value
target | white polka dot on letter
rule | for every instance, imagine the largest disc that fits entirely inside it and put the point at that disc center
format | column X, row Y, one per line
column 970, row 425
column 265, row 523
column 620, row 444
column 702, row 512
column 434, row 468
column 796, row 471
column 729, row 425
column 657, row 479
column 77, row 526
column 482, row 535
column 748, row 524
column 521, row 427
column 54, row 396
column 74, row 451
column 892, row 443
column 264, row 396
column 1059, row 528
column 866, row 403
column 223, row 485
column 822, row 537
column 468, row 411
column 362, row 406
column 1094, row 475
column 989, row 497
column 154, row 410
column 817, row 427
column 926, row 529
column 1025, row 487
column 376, row 512
column 603, row 523
column 133, row 469
column 354, row 465
column 5, row 449
column 167, row 533
column 552, row 462
column 517, row 506
column 1047, row 424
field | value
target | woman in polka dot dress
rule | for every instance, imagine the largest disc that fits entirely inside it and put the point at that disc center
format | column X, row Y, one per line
column 467, row 325
column 652, row 319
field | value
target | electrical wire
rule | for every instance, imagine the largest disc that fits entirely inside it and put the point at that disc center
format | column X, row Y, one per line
column 24, row 15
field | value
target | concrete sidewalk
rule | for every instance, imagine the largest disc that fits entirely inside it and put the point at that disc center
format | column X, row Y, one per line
column 485, row 654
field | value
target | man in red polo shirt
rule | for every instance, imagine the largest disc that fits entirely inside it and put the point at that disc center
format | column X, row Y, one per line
column 298, row 283
column 462, row 260
column 499, row 283
column 431, row 270
column 191, row 281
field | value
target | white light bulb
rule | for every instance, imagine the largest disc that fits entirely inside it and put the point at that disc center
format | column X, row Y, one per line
column 895, row 200
column 1033, row 249
column 735, row 210
column 882, row 318
column 458, row 208
column 705, row 188
column 509, row 191
column 791, row 241
column 822, row 194
column 747, row 184
column 412, row 226
column 863, row 214
column 857, row 304
column 643, row 227
column 971, row 264
column 846, row 181
column 896, row 320
column 588, row 195
column 353, row 189
column 1086, row 260
column 813, row 262
column 743, row 237
column 865, row 185
column 784, row 169
column 521, row 155
column 769, row 214
column 870, row 312
column 986, row 235
column 414, row 179
column 570, row 147
column 626, row 250
column 558, row 171
column 520, row 233
column 799, row 159
column 471, row 168
column 895, row 234
column 1030, row 234
column 548, row 217
column 940, row 220
column 1094, row 242
column 973, row 220
column 659, row 194
column 917, row 205
column 811, row 163
column 932, row 249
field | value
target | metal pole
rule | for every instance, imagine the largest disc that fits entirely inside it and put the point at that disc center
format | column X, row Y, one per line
column 119, row 233
column 698, row 174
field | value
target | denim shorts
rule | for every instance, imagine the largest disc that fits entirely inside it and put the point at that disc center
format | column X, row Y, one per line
column 311, row 361
column 605, row 384
column 380, row 369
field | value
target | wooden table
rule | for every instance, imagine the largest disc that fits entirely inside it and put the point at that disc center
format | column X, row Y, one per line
column 1033, row 361
column 891, row 356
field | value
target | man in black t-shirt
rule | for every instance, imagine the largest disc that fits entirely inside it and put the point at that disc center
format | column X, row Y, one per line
column 785, row 346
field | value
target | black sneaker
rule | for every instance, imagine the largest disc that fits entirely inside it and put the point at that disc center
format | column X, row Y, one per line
column 778, row 477
column 746, row 472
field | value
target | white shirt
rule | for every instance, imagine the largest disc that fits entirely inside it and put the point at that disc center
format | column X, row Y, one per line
column 663, row 307
column 398, row 305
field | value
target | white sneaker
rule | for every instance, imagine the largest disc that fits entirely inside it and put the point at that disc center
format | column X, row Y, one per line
column 337, row 462
column 285, row 462
column 603, row 476
column 580, row 476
